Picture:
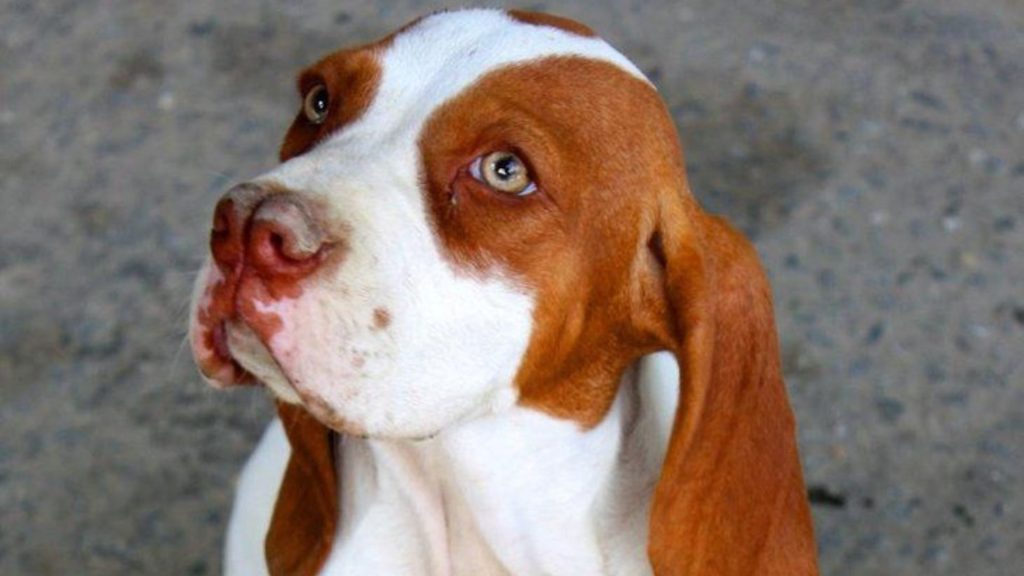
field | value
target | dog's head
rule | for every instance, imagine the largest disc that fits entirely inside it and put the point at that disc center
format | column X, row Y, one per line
column 456, row 204
column 480, row 210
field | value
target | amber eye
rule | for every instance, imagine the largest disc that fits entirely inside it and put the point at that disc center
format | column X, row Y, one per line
column 316, row 103
column 504, row 172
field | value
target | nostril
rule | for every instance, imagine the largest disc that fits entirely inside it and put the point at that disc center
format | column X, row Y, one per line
column 271, row 241
column 283, row 239
column 220, row 234
column 221, row 225
column 225, row 242
column 285, row 250
column 277, row 243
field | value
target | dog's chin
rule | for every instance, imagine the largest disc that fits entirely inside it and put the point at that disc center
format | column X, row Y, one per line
column 256, row 359
column 253, row 356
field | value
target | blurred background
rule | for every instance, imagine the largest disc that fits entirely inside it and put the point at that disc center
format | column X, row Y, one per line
column 874, row 150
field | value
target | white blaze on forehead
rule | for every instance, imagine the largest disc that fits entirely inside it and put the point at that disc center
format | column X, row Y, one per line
column 445, row 53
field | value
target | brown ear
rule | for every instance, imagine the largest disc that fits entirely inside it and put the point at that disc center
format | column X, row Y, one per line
column 731, row 498
column 306, row 513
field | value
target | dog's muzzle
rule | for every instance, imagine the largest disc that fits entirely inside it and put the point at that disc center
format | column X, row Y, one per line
column 264, row 242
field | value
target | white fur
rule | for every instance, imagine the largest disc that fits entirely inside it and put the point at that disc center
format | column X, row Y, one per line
column 515, row 493
column 446, row 53
column 255, row 496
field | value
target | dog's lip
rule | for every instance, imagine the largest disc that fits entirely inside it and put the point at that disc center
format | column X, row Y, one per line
column 220, row 342
column 256, row 358
column 215, row 362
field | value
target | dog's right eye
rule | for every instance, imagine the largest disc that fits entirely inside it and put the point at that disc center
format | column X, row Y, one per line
column 316, row 104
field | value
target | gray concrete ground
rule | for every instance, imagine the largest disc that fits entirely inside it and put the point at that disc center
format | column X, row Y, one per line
column 873, row 148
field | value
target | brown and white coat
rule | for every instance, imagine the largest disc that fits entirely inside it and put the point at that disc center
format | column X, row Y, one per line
column 476, row 382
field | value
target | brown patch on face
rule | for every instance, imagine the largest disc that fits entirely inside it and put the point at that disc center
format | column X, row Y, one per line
column 381, row 318
column 351, row 78
column 600, row 145
column 541, row 19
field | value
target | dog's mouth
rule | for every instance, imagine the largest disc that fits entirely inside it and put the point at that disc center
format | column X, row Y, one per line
column 245, row 348
column 213, row 356
column 234, row 330
column 227, row 370
column 229, row 332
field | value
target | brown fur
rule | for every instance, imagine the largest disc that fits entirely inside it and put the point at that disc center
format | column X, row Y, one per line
column 306, row 513
column 381, row 318
column 541, row 19
column 731, row 497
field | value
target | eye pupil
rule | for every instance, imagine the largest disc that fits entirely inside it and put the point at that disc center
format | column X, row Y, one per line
column 317, row 104
column 506, row 167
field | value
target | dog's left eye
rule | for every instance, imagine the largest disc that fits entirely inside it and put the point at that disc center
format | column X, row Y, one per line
column 504, row 172
column 316, row 104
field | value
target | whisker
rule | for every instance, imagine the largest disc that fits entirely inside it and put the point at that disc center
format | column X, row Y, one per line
column 176, row 358
column 181, row 318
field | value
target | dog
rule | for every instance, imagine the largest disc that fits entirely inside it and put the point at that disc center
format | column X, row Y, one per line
column 501, row 334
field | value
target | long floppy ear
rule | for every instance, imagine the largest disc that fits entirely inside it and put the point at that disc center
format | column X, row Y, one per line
column 306, row 513
column 731, row 498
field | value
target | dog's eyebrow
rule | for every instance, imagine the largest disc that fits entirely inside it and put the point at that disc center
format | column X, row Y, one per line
column 541, row 19
column 307, row 79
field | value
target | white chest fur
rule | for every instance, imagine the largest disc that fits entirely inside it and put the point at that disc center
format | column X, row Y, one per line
column 518, row 493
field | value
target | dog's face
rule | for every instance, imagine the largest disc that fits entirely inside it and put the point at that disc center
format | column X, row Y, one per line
column 460, row 214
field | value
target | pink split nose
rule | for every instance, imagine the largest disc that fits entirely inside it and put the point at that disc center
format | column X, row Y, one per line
column 270, row 231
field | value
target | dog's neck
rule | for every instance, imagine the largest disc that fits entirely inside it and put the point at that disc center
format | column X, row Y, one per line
column 518, row 492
